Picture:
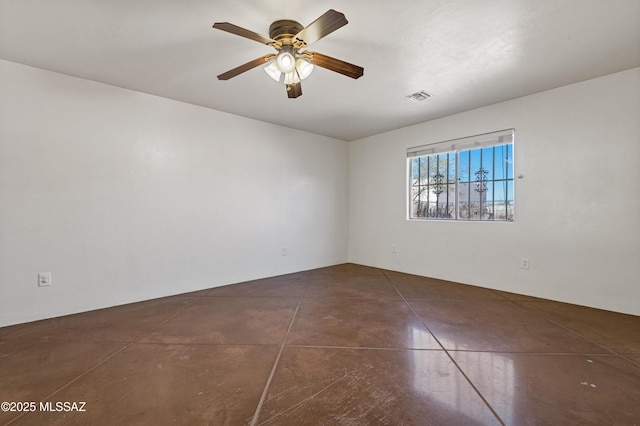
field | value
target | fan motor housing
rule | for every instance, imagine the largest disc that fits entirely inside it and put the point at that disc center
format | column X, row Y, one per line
column 284, row 29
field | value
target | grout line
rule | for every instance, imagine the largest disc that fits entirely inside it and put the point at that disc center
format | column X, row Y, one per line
column 371, row 348
column 306, row 283
column 72, row 381
column 272, row 373
column 575, row 333
column 542, row 315
column 266, row 345
column 534, row 353
column 99, row 363
column 627, row 358
column 446, row 352
column 374, row 348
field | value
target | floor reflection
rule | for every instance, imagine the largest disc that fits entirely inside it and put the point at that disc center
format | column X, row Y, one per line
column 450, row 389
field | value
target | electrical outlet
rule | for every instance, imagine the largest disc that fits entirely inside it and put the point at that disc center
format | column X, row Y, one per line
column 284, row 251
column 524, row 263
column 44, row 279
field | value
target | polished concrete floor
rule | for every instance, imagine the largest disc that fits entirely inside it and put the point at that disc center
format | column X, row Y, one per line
column 345, row 345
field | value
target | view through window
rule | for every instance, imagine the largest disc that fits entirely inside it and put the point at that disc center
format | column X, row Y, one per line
column 463, row 179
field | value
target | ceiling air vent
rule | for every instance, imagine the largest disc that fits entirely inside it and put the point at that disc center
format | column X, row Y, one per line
column 419, row 96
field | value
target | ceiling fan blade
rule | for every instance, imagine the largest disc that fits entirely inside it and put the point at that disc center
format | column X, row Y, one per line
column 242, row 32
column 326, row 24
column 294, row 90
column 336, row 65
column 246, row 67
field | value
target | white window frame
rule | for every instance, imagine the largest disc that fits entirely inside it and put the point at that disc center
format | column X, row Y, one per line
column 484, row 140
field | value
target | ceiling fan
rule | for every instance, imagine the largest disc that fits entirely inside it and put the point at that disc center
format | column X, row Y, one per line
column 292, row 63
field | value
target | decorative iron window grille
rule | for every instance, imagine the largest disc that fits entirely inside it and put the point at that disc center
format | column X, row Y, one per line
column 463, row 179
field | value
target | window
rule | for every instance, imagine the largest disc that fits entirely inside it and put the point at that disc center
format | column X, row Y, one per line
column 463, row 179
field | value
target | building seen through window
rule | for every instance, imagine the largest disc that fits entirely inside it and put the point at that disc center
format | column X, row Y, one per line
column 465, row 179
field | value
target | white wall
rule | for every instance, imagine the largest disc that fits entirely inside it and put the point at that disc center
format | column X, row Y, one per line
column 125, row 196
column 577, row 207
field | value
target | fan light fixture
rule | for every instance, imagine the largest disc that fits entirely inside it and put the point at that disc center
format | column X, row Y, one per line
column 293, row 63
column 285, row 60
column 273, row 71
column 294, row 70
column 300, row 70
column 304, row 68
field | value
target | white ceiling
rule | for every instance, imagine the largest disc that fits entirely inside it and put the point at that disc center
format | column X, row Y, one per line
column 466, row 53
